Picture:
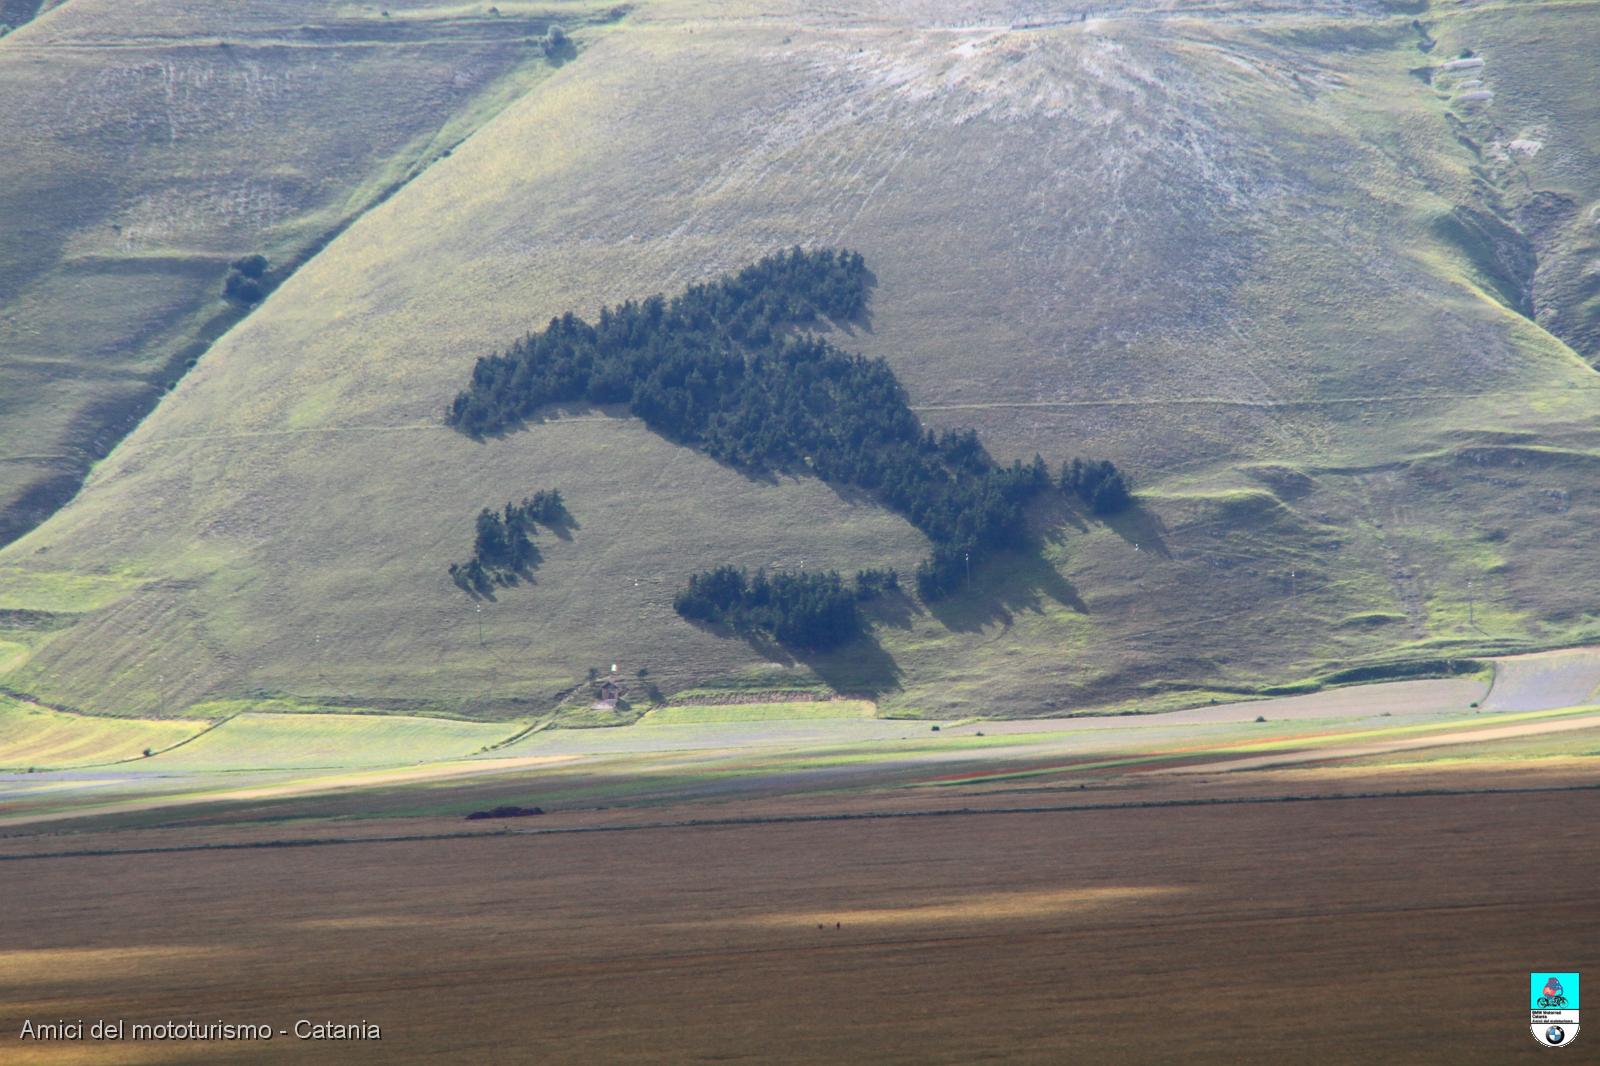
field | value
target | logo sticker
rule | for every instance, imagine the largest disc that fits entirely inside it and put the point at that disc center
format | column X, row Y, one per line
column 1553, row 1007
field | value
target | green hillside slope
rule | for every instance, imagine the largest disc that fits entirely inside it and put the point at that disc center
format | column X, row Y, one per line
column 1259, row 254
column 151, row 142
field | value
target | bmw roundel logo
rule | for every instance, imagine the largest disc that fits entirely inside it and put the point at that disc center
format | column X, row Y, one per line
column 1555, row 1034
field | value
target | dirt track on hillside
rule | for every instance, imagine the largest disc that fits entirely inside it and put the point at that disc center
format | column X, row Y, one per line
column 1544, row 680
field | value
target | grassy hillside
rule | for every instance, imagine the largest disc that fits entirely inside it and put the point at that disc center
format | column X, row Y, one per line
column 34, row 737
column 154, row 141
column 1253, row 253
column 1535, row 146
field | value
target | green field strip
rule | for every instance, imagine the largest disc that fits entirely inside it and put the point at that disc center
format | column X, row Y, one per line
column 254, row 740
column 35, row 737
column 695, row 714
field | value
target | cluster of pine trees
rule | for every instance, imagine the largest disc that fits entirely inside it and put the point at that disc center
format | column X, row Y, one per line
column 502, row 551
column 716, row 369
column 813, row 611
column 874, row 582
column 722, row 369
column 686, row 365
column 1097, row 483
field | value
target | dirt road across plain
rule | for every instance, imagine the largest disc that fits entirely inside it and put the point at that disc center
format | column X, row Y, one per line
column 1443, row 738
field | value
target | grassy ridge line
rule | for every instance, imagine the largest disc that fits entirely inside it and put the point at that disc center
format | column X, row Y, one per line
column 718, row 823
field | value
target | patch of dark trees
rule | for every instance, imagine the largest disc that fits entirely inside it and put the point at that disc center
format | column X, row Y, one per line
column 1097, row 483
column 247, row 280
column 503, row 550
column 505, row 812
column 724, row 368
column 815, row 611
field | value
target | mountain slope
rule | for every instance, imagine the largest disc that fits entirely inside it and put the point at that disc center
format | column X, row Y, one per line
column 151, row 143
column 1246, row 252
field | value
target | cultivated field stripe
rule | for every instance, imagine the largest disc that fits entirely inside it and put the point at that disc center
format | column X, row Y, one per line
column 338, row 782
column 797, row 819
column 1384, row 747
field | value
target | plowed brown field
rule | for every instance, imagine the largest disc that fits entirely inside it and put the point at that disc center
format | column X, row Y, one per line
column 1360, row 930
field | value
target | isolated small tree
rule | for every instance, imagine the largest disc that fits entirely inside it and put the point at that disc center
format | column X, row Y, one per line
column 557, row 45
column 243, row 290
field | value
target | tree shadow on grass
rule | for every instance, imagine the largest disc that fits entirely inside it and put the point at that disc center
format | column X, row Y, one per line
column 1052, row 513
column 1024, row 580
column 510, row 579
column 894, row 609
column 560, row 411
column 1140, row 527
column 563, row 527
column 862, row 667
column 503, row 577
column 1001, row 586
